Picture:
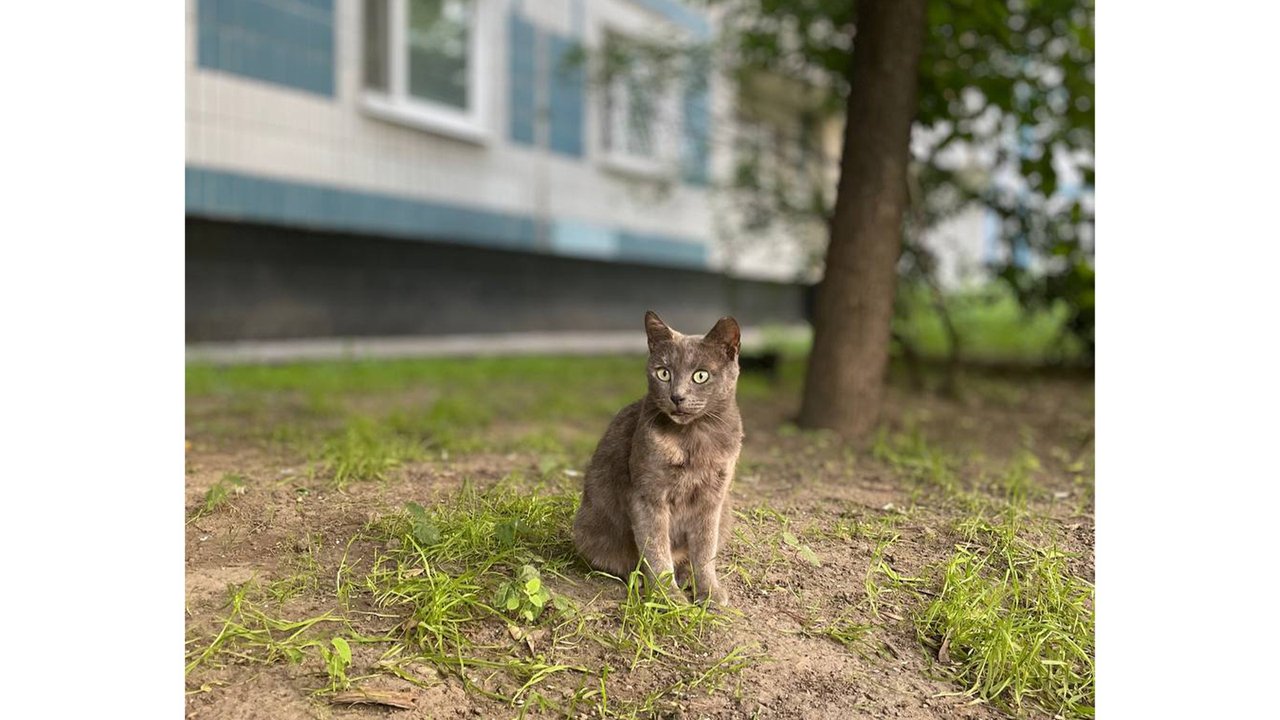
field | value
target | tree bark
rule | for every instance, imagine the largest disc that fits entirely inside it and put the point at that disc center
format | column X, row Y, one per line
column 854, row 310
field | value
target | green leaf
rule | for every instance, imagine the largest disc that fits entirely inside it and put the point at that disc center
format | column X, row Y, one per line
column 790, row 539
column 425, row 532
column 513, row 602
column 506, row 533
column 807, row 553
column 533, row 585
column 344, row 650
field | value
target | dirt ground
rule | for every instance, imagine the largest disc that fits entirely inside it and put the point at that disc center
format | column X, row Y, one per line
column 284, row 517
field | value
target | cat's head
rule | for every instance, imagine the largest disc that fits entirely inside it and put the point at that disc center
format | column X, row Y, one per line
column 692, row 375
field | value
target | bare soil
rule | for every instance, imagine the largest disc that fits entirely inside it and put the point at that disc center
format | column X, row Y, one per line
column 812, row 480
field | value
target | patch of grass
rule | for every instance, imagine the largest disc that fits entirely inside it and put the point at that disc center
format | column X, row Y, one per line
column 364, row 450
column 843, row 630
column 1012, row 623
column 882, row 579
column 305, row 577
column 437, row 603
column 1017, row 480
column 860, row 527
column 912, row 455
column 455, row 566
column 991, row 325
column 248, row 634
column 227, row 487
column 450, row 568
column 769, row 543
column 496, row 527
column 656, row 623
column 441, row 404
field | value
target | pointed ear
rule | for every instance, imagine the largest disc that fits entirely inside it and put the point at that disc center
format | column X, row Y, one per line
column 657, row 330
column 726, row 334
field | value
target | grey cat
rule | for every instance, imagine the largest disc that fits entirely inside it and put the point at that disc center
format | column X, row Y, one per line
column 657, row 486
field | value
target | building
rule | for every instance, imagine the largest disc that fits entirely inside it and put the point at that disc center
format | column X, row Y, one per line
column 401, row 167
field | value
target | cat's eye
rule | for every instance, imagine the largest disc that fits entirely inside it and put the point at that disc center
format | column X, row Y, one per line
column 701, row 376
column 663, row 374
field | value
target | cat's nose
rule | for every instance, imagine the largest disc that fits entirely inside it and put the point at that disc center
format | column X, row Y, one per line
column 677, row 399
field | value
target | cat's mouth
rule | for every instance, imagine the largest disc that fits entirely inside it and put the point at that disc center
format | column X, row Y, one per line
column 683, row 416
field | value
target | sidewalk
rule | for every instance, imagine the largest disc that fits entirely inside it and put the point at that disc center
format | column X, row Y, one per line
column 548, row 343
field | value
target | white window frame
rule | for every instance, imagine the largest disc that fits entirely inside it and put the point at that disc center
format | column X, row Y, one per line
column 397, row 105
column 666, row 127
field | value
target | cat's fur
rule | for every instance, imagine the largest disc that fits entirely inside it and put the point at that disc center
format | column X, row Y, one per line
column 658, row 484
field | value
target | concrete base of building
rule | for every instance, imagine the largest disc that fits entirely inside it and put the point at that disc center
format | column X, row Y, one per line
column 249, row 282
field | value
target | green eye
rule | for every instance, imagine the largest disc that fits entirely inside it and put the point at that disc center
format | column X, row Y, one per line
column 701, row 376
column 663, row 374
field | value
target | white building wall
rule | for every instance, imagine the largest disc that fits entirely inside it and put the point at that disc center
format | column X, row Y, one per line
column 243, row 125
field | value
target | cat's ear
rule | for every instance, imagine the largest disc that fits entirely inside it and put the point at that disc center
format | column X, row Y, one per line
column 657, row 330
column 727, row 335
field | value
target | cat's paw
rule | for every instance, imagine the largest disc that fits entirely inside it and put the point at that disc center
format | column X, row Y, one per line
column 715, row 594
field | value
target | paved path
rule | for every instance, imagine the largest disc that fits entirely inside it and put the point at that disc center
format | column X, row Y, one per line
column 541, row 343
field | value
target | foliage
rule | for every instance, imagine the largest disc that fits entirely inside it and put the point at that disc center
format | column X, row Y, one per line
column 336, row 662
column 1013, row 623
column 219, row 493
column 992, row 323
column 1005, row 122
column 525, row 596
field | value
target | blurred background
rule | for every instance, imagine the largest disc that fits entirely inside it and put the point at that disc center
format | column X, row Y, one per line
column 427, row 168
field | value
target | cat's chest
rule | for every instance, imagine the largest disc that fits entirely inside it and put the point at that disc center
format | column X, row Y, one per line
column 691, row 466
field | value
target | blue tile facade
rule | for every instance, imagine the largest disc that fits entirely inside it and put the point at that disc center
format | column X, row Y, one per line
column 285, row 42
column 236, row 196
column 650, row 248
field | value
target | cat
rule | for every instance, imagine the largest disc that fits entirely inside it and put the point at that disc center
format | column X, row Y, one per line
column 657, row 487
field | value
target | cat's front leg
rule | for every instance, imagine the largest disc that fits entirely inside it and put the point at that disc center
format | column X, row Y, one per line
column 651, row 522
column 704, row 542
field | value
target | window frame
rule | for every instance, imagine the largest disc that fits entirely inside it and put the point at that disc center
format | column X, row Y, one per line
column 396, row 104
column 665, row 129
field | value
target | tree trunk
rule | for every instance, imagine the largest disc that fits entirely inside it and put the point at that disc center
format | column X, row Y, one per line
column 854, row 310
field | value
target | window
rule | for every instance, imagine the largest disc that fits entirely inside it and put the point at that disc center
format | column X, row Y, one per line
column 640, row 113
column 423, row 63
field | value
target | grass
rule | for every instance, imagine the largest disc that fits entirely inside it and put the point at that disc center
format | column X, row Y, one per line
column 432, row 583
column 442, row 573
column 322, row 409
column 249, row 634
column 1012, row 623
column 990, row 323
column 769, row 544
column 914, row 457
column 657, row 624
column 364, row 451
column 227, row 487
column 306, row 568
